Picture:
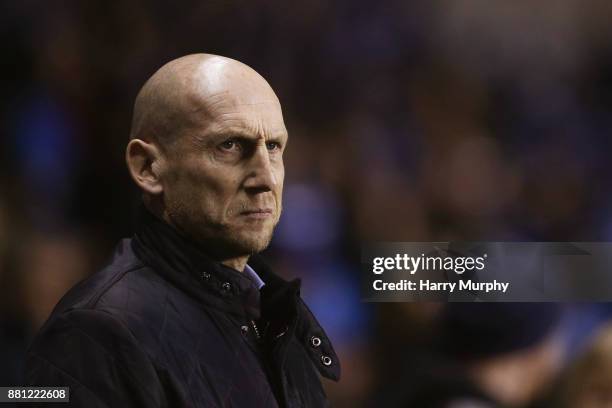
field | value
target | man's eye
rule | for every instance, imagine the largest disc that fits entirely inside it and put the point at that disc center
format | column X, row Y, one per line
column 273, row 145
column 229, row 145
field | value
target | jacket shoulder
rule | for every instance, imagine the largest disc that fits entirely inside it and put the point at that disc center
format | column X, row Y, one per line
column 87, row 293
column 122, row 290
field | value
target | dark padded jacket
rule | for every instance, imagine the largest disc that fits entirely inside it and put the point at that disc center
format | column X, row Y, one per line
column 164, row 326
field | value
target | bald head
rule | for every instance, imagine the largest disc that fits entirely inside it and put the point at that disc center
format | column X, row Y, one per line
column 188, row 90
column 206, row 149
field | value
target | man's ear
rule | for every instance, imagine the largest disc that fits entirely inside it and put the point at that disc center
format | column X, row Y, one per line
column 144, row 161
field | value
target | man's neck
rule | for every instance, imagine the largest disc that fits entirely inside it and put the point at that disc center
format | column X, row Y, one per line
column 236, row 263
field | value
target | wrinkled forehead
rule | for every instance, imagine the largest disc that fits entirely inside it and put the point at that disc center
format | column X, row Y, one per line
column 224, row 99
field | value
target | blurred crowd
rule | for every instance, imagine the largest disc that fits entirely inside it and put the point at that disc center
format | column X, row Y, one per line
column 408, row 121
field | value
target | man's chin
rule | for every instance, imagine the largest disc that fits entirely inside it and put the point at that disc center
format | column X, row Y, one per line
column 249, row 243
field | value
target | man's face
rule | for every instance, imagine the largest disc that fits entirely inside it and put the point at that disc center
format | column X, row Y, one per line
column 223, row 177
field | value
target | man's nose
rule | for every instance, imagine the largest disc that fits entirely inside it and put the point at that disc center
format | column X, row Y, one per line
column 261, row 173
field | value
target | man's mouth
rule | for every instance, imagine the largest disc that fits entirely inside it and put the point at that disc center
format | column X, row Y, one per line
column 258, row 213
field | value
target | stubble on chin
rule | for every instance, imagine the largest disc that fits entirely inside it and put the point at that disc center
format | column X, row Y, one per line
column 246, row 240
column 227, row 234
column 221, row 238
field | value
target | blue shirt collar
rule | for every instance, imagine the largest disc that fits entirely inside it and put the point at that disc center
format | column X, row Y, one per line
column 254, row 276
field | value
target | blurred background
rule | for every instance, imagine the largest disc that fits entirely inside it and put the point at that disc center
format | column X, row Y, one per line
column 409, row 121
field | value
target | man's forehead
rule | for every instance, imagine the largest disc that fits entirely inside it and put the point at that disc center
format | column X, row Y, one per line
column 245, row 126
column 228, row 99
column 220, row 95
column 246, row 113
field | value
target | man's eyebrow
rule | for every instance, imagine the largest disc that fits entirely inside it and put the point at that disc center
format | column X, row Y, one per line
column 235, row 134
column 230, row 134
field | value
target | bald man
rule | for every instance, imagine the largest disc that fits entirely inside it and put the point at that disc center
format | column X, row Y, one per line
column 186, row 314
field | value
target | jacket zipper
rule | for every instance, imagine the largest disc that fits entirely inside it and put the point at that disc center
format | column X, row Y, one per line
column 255, row 330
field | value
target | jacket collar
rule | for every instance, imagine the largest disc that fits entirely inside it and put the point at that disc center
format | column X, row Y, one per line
column 180, row 261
